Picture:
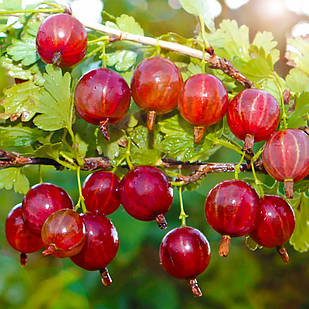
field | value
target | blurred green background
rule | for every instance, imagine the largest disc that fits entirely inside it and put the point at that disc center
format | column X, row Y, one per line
column 243, row 280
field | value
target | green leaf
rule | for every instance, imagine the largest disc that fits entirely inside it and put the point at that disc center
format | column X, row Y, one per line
column 123, row 60
column 11, row 5
column 178, row 141
column 266, row 41
column 300, row 237
column 297, row 54
column 17, row 70
column 231, row 41
column 128, row 24
column 145, row 146
column 300, row 115
column 55, row 102
column 301, row 186
column 81, row 145
column 21, row 100
column 19, row 139
column 202, row 8
column 297, row 81
column 48, row 151
column 14, row 177
column 24, row 50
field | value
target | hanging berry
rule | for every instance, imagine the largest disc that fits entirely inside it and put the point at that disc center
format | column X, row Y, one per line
column 185, row 254
column 102, row 96
column 19, row 236
column 253, row 115
column 63, row 233
column 286, row 157
column 146, row 194
column 101, row 192
column 274, row 225
column 41, row 201
column 101, row 245
column 155, row 86
column 61, row 40
column 230, row 208
column 203, row 101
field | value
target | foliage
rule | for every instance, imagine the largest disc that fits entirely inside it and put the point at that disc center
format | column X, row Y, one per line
column 38, row 119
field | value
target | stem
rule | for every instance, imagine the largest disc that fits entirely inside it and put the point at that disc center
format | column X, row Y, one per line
column 215, row 61
column 40, row 174
column 237, row 167
column 95, row 51
column 258, row 154
column 280, row 88
column 102, row 38
column 182, row 215
column 256, row 180
column 103, row 56
column 81, row 200
column 60, row 10
column 128, row 154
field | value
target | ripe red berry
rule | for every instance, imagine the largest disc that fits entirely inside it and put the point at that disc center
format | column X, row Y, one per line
column 102, row 96
column 230, row 208
column 146, row 194
column 101, row 192
column 155, row 85
column 203, row 101
column 253, row 115
column 19, row 236
column 40, row 202
column 286, row 157
column 100, row 247
column 185, row 253
column 61, row 40
column 274, row 225
column 63, row 233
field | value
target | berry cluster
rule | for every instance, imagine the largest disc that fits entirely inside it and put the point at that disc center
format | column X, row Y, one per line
column 233, row 208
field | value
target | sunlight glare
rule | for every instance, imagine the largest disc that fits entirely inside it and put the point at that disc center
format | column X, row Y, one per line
column 235, row 4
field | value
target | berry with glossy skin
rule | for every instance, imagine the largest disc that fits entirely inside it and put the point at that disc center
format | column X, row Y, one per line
column 40, row 202
column 253, row 115
column 100, row 247
column 101, row 192
column 286, row 157
column 102, row 96
column 61, row 40
column 63, row 233
column 156, row 84
column 19, row 236
column 274, row 225
column 203, row 101
column 146, row 194
column 231, row 208
column 185, row 253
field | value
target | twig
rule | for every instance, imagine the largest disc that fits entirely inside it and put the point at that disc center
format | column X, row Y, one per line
column 214, row 61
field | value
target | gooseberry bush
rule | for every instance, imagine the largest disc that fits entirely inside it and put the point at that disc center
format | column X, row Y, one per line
column 144, row 117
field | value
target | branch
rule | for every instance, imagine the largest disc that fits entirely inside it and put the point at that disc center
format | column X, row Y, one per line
column 12, row 159
column 214, row 61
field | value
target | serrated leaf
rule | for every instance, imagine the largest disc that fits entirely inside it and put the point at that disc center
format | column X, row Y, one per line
column 300, row 115
column 178, row 141
column 24, row 50
column 123, row 60
column 49, row 151
column 16, row 70
column 301, row 186
column 19, row 139
column 145, row 146
column 128, row 24
column 21, row 100
column 9, row 5
column 55, row 103
column 202, row 8
column 297, row 81
column 300, row 237
column 298, row 49
column 266, row 41
column 14, row 178
column 231, row 41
